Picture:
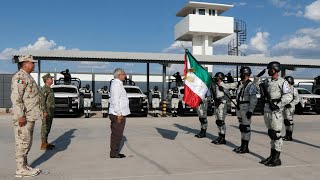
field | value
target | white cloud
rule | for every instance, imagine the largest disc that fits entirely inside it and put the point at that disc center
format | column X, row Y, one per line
column 243, row 3
column 260, row 42
column 41, row 44
column 297, row 14
column 280, row 3
column 312, row 11
column 304, row 43
column 177, row 47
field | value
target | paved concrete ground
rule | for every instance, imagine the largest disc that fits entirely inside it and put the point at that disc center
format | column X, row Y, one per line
column 163, row 148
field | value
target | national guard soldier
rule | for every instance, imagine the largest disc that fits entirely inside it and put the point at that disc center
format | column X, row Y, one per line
column 174, row 101
column 202, row 111
column 88, row 99
column 289, row 109
column 220, row 104
column 104, row 100
column 48, row 104
column 156, row 99
column 66, row 76
column 26, row 109
column 246, row 102
column 178, row 79
column 277, row 93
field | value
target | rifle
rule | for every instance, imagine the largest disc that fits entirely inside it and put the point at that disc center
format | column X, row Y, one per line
column 238, row 108
column 267, row 98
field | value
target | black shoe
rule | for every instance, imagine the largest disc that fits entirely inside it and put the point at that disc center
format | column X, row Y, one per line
column 237, row 149
column 218, row 139
column 118, row 156
column 267, row 160
column 222, row 140
column 275, row 160
column 288, row 136
column 244, row 147
column 202, row 134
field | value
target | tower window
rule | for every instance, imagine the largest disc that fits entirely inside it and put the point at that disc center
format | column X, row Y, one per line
column 212, row 12
column 202, row 12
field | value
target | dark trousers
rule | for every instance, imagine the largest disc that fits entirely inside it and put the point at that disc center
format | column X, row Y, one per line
column 116, row 134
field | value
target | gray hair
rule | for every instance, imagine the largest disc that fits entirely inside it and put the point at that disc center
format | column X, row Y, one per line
column 117, row 71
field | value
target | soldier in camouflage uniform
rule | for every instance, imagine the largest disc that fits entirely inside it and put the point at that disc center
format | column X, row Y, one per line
column 277, row 94
column 25, row 97
column 87, row 100
column 104, row 100
column 246, row 102
column 289, row 109
column 48, row 104
column 202, row 111
column 174, row 101
column 156, row 99
column 220, row 107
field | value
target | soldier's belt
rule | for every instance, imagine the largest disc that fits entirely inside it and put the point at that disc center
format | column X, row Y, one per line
column 105, row 97
column 244, row 102
column 275, row 100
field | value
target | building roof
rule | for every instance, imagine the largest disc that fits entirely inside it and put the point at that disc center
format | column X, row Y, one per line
column 166, row 58
column 221, row 8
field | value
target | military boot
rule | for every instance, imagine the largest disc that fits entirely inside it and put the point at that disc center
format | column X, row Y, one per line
column 202, row 134
column 238, row 148
column 222, row 140
column 288, row 136
column 28, row 167
column 49, row 145
column 218, row 139
column 275, row 160
column 43, row 144
column 268, row 158
column 244, row 147
column 24, row 172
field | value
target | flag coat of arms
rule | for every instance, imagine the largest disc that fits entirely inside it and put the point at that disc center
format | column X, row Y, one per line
column 197, row 81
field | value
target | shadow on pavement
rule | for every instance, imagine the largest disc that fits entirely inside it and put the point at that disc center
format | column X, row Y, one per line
column 294, row 140
column 167, row 134
column 61, row 143
column 196, row 131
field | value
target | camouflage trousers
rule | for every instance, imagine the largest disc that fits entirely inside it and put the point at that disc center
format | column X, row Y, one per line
column 220, row 114
column 46, row 125
column 23, row 141
column 288, row 114
column 244, row 122
column 274, row 123
column 202, row 114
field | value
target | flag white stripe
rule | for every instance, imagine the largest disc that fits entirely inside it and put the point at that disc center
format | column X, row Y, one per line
column 196, row 85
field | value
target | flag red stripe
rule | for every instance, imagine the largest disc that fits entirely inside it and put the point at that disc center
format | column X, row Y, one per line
column 191, row 98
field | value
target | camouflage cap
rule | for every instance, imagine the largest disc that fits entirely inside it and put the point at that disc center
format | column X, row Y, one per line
column 46, row 76
column 25, row 58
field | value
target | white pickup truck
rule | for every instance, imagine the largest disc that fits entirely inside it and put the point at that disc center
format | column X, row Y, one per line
column 68, row 98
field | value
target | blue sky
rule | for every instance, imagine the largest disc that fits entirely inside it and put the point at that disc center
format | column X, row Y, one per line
column 275, row 28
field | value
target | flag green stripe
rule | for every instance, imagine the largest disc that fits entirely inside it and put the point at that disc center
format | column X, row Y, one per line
column 199, row 71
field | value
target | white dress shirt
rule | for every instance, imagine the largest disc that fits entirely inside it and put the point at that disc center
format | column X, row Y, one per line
column 119, row 102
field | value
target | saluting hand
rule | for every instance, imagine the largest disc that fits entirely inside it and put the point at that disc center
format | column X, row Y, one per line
column 22, row 121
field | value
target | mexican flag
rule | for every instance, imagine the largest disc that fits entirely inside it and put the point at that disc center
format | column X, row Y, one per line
column 197, row 81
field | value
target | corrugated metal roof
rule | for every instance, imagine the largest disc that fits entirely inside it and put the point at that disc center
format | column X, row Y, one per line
column 165, row 58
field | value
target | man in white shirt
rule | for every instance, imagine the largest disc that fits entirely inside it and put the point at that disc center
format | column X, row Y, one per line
column 119, row 109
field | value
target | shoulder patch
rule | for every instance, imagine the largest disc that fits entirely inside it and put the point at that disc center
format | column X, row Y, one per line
column 20, row 81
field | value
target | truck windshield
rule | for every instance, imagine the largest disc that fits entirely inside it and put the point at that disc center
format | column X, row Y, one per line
column 303, row 91
column 133, row 90
column 64, row 89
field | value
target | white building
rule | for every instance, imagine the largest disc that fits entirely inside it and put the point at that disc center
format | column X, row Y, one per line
column 203, row 24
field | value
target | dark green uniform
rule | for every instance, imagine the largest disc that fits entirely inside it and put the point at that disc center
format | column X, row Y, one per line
column 47, row 103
